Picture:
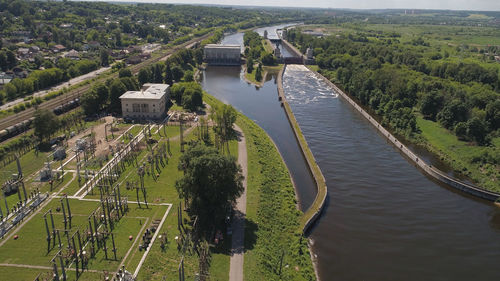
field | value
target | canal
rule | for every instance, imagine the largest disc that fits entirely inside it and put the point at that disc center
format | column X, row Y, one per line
column 384, row 220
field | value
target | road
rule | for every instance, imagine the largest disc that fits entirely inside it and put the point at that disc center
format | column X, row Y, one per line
column 238, row 225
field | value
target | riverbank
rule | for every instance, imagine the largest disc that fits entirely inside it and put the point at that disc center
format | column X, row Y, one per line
column 317, row 206
column 273, row 223
column 415, row 159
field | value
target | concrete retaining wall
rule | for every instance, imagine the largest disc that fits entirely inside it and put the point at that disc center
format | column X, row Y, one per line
column 313, row 213
column 429, row 169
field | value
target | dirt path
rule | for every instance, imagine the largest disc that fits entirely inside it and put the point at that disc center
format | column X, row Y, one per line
column 238, row 225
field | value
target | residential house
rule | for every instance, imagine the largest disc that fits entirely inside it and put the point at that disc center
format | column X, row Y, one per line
column 34, row 49
column 73, row 54
column 58, row 48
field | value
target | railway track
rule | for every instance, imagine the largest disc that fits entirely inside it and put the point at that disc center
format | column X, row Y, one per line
column 76, row 93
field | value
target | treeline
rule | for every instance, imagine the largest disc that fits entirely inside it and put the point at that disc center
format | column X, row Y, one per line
column 396, row 80
column 42, row 79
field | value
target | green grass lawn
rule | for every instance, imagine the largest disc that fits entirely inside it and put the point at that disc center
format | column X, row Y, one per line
column 460, row 154
column 32, row 185
column 176, row 107
column 34, row 233
column 267, row 46
column 30, row 163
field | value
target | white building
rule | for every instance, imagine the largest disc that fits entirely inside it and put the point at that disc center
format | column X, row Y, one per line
column 148, row 103
column 222, row 54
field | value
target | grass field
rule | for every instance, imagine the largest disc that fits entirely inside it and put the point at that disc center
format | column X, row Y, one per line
column 473, row 35
column 160, row 264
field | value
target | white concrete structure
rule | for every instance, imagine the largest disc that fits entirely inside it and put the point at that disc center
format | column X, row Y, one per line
column 222, row 54
column 148, row 103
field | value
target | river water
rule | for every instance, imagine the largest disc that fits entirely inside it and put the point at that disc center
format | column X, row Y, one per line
column 384, row 220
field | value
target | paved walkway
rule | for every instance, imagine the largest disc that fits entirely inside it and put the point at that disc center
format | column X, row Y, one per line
column 238, row 225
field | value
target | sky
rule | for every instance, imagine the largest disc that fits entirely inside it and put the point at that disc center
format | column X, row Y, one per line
column 478, row 5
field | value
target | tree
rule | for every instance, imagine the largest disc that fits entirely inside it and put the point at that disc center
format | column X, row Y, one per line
column 3, row 61
column 188, row 76
column 493, row 114
column 143, row 76
column 211, row 184
column 268, row 59
column 453, row 112
column 431, row 105
column 476, row 130
column 168, row 75
column 94, row 100
column 130, row 83
column 461, row 130
column 157, row 73
column 249, row 65
column 192, row 98
column 224, row 117
column 124, row 72
column 258, row 73
column 11, row 59
column 45, row 124
column 176, row 92
column 116, row 89
column 177, row 73
column 104, row 57
column 10, row 91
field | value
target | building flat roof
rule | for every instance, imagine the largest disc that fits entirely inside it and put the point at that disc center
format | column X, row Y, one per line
column 148, row 91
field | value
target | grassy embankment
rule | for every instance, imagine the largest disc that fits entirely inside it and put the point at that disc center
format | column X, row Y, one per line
column 273, row 222
column 460, row 155
column 316, row 171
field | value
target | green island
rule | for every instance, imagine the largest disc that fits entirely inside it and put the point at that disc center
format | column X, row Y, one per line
column 260, row 59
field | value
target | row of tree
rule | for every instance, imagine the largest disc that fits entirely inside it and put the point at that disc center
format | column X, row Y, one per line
column 42, row 79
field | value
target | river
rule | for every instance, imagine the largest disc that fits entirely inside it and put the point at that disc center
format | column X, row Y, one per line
column 384, row 220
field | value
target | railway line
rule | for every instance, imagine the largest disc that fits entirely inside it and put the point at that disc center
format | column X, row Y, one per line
column 26, row 114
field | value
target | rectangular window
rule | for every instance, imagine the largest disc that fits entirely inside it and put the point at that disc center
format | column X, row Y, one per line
column 136, row 107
